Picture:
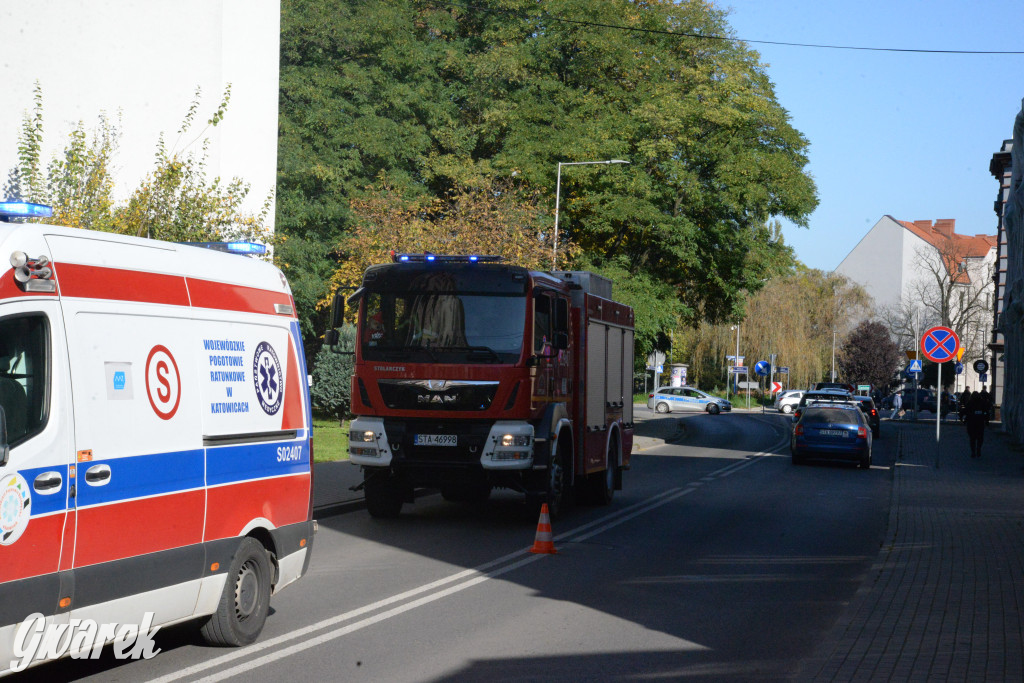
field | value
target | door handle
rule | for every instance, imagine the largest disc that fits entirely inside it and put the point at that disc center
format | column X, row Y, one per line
column 97, row 475
column 48, row 482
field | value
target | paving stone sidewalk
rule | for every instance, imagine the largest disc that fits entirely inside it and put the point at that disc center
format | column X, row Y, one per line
column 945, row 600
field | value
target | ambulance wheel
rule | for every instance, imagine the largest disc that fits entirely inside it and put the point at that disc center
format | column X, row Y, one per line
column 245, row 601
column 601, row 485
column 384, row 496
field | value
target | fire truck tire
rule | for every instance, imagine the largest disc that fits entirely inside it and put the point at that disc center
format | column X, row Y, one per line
column 245, row 601
column 553, row 486
column 601, row 485
column 384, row 496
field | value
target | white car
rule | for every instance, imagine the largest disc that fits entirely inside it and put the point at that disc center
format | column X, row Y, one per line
column 667, row 399
column 787, row 401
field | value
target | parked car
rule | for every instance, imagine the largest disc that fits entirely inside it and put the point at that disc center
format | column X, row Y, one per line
column 835, row 432
column 667, row 399
column 787, row 401
column 867, row 406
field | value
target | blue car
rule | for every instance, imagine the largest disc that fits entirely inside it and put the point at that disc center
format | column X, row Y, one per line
column 832, row 432
column 667, row 399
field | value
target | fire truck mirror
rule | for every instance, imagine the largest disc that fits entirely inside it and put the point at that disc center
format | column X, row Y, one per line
column 560, row 341
column 338, row 311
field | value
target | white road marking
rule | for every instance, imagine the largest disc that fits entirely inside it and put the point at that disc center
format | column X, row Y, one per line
column 434, row 590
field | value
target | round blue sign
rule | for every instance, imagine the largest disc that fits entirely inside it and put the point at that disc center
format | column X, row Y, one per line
column 761, row 367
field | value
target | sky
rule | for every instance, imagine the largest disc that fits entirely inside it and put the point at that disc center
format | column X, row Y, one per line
column 906, row 134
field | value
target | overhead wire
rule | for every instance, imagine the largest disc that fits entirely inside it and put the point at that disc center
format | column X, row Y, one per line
column 825, row 46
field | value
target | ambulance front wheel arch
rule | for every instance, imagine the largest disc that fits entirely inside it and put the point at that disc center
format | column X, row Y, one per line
column 245, row 601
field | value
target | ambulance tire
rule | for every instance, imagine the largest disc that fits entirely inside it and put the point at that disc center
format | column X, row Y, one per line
column 384, row 496
column 245, row 601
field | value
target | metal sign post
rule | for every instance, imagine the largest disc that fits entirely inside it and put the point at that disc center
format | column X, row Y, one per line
column 939, row 345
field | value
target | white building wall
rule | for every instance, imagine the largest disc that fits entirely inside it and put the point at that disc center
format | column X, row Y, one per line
column 876, row 263
column 145, row 60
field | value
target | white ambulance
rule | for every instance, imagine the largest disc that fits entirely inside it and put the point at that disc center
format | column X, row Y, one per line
column 155, row 433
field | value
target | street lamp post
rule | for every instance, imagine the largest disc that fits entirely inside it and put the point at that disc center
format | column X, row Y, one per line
column 833, row 355
column 558, row 197
column 735, row 361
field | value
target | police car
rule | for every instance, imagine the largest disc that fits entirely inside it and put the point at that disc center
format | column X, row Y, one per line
column 667, row 399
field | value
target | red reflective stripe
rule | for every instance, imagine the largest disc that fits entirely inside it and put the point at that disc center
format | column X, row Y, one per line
column 36, row 552
column 97, row 282
column 282, row 500
column 209, row 294
column 9, row 288
column 136, row 527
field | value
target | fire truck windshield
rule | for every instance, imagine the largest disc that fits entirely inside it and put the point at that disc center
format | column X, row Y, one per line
column 443, row 327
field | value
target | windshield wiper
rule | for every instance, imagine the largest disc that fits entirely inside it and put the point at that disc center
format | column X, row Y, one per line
column 402, row 352
column 471, row 349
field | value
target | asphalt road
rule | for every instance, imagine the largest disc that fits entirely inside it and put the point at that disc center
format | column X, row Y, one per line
column 719, row 560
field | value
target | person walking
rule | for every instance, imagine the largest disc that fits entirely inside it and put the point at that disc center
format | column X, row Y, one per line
column 965, row 397
column 977, row 417
column 897, row 403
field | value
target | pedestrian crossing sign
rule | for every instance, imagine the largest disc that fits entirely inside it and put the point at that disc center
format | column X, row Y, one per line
column 915, row 366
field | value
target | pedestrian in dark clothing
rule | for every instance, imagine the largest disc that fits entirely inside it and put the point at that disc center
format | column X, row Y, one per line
column 988, row 403
column 962, row 405
column 977, row 416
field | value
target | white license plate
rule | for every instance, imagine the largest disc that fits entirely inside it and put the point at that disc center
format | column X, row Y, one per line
column 435, row 440
column 833, row 432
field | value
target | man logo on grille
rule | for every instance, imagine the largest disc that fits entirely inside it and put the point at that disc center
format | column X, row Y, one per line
column 266, row 375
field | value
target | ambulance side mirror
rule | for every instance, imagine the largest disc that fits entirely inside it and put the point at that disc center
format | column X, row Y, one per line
column 5, row 450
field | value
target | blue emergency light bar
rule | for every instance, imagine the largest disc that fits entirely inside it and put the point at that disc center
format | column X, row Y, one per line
column 250, row 248
column 9, row 210
column 427, row 257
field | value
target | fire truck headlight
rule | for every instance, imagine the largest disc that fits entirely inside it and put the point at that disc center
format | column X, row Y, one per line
column 365, row 451
column 509, row 440
column 360, row 436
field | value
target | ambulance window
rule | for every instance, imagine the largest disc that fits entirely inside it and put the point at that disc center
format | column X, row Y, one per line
column 24, row 384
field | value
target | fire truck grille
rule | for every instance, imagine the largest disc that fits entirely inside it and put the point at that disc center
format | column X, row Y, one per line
column 415, row 394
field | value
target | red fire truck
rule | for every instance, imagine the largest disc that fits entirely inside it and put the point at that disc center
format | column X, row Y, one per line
column 472, row 374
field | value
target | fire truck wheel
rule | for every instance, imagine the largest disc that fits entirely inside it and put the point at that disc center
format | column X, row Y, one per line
column 661, row 408
column 556, row 485
column 384, row 496
column 601, row 485
column 245, row 601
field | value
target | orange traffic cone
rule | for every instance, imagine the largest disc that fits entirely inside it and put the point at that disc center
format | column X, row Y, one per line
column 543, row 543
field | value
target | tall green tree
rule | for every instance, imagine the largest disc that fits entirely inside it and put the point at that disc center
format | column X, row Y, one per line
column 438, row 96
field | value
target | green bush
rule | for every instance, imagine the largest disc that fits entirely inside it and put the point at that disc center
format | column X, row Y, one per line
column 332, row 378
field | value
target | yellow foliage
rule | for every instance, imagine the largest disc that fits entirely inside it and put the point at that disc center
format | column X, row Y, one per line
column 492, row 218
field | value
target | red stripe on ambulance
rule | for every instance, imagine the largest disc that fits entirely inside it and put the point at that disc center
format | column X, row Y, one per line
column 96, row 282
column 142, row 526
column 292, row 417
column 35, row 552
column 282, row 500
